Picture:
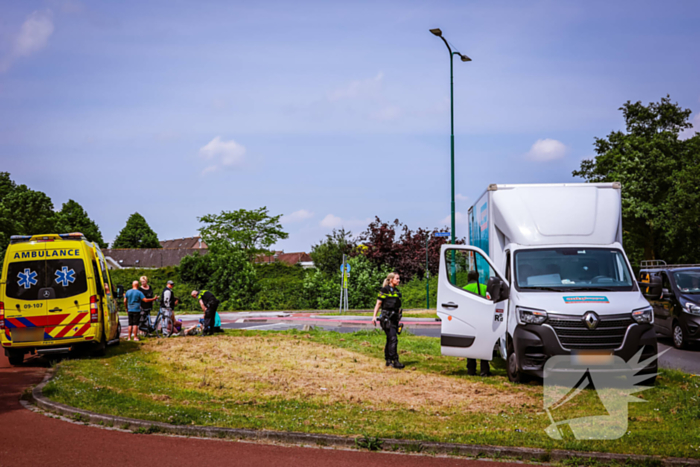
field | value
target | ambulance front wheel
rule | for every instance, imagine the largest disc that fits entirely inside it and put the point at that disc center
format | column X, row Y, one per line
column 16, row 357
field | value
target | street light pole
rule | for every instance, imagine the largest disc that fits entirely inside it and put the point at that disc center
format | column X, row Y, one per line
column 464, row 58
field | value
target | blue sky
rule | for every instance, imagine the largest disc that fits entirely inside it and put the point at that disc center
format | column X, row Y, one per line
column 327, row 112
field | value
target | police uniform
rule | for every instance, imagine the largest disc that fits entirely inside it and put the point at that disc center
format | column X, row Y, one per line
column 211, row 303
column 389, row 318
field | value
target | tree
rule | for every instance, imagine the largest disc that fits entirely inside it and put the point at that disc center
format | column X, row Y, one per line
column 659, row 176
column 405, row 254
column 328, row 255
column 136, row 234
column 73, row 218
column 253, row 231
column 23, row 211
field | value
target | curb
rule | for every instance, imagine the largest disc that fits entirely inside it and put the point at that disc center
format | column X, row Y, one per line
column 320, row 440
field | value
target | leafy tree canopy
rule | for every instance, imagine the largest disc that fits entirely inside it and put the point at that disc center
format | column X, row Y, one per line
column 23, row 211
column 73, row 218
column 660, row 175
column 396, row 246
column 253, row 231
column 328, row 254
column 136, row 234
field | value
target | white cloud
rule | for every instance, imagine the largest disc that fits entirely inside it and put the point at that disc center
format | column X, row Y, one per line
column 690, row 132
column 459, row 219
column 545, row 150
column 357, row 89
column 298, row 216
column 32, row 37
column 332, row 222
column 335, row 222
column 224, row 154
column 461, row 197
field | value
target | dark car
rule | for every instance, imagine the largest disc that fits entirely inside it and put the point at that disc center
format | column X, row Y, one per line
column 673, row 290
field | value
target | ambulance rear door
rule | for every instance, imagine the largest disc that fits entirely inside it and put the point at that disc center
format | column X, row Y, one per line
column 26, row 292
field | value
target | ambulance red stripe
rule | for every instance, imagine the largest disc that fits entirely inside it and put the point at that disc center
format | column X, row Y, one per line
column 68, row 327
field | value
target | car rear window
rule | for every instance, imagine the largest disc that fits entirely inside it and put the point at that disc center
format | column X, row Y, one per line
column 25, row 279
column 67, row 277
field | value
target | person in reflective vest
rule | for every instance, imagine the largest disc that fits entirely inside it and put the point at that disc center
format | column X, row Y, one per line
column 209, row 304
column 473, row 286
column 389, row 300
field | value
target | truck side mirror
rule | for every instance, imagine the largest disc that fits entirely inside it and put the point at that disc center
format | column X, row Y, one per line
column 652, row 289
column 120, row 292
column 497, row 289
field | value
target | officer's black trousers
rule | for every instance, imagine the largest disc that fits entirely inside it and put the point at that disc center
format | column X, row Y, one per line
column 392, row 341
column 210, row 319
column 471, row 366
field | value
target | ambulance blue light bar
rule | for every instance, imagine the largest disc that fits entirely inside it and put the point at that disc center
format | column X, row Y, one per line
column 20, row 238
column 71, row 236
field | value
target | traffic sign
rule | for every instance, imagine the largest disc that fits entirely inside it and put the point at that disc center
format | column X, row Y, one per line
column 442, row 234
column 347, row 268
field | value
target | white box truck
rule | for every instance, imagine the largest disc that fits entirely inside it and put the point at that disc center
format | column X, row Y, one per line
column 544, row 274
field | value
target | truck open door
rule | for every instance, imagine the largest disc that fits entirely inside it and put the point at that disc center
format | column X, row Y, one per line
column 473, row 319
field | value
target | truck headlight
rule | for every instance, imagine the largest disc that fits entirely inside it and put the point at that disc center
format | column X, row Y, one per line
column 531, row 315
column 692, row 308
column 643, row 315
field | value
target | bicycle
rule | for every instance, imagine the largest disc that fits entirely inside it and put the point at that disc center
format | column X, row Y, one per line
column 162, row 327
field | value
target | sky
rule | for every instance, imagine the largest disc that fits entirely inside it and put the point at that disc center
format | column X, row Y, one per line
column 329, row 113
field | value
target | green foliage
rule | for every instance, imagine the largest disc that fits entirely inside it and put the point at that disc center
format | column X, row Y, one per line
column 226, row 271
column 280, row 287
column 413, row 293
column 23, row 211
column 659, row 173
column 253, row 231
column 328, row 255
column 323, row 291
column 136, row 234
column 73, row 218
column 371, row 443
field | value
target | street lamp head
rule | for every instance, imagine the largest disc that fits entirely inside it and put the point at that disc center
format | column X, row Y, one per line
column 465, row 58
column 437, row 32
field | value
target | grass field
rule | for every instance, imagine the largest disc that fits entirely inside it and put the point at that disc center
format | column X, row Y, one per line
column 325, row 382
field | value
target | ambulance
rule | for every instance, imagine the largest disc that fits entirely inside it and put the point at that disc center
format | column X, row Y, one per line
column 56, row 296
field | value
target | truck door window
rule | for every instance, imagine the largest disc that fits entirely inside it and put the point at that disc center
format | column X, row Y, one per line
column 468, row 270
column 508, row 266
column 665, row 284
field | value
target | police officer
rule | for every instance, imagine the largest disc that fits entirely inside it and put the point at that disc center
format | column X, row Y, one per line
column 390, row 302
column 476, row 288
column 209, row 304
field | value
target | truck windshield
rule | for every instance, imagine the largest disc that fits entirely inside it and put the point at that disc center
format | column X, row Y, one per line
column 688, row 281
column 572, row 269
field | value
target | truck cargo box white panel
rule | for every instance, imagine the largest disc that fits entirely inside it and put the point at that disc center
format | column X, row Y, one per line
column 558, row 214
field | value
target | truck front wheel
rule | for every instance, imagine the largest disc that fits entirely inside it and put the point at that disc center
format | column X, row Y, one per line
column 679, row 339
column 515, row 375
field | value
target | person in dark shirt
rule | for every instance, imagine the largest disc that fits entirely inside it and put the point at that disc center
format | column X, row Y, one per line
column 146, row 303
column 209, row 304
column 389, row 300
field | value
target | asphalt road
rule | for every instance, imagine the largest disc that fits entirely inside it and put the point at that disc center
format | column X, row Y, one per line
column 31, row 439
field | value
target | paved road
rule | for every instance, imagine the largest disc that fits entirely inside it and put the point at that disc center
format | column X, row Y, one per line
column 31, row 439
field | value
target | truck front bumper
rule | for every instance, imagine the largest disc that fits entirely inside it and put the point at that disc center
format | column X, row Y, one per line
column 534, row 344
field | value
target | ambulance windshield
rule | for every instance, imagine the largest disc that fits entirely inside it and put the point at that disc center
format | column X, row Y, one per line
column 572, row 269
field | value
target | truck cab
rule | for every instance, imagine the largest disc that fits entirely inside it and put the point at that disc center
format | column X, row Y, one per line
column 556, row 279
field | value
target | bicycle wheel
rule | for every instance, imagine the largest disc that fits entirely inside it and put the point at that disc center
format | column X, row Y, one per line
column 157, row 326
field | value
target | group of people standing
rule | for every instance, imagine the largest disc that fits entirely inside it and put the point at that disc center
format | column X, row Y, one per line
column 138, row 302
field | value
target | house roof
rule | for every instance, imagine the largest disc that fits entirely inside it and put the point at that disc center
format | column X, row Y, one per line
column 184, row 243
column 150, row 257
column 289, row 258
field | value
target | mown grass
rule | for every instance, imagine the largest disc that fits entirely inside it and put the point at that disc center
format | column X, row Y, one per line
column 326, row 382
